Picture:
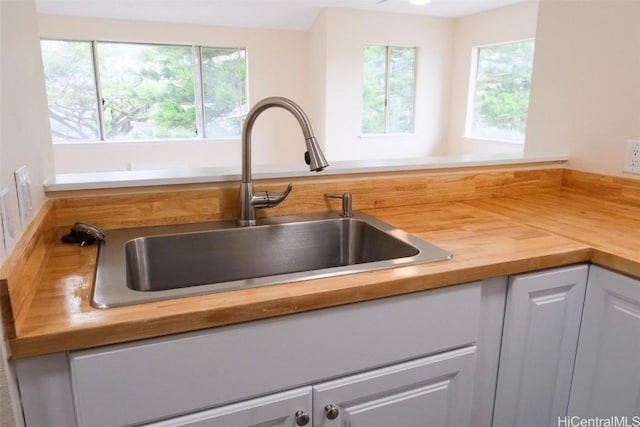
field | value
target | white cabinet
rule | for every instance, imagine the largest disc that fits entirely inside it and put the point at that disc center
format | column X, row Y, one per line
column 494, row 294
column 434, row 391
column 606, row 380
column 540, row 336
column 288, row 409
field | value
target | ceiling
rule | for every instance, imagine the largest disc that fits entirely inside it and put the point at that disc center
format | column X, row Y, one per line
column 276, row 14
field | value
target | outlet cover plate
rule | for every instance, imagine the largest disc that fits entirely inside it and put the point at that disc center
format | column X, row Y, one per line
column 632, row 157
column 23, row 188
column 9, row 232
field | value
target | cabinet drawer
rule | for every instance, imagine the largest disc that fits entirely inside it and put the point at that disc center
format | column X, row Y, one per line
column 154, row 379
column 274, row 410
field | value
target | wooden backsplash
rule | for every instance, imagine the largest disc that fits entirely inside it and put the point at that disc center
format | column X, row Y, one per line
column 611, row 188
column 21, row 272
column 219, row 201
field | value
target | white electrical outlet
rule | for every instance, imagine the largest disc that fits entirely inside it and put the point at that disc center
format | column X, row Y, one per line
column 23, row 188
column 632, row 157
column 9, row 232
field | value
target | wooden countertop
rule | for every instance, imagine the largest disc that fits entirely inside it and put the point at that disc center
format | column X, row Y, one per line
column 488, row 238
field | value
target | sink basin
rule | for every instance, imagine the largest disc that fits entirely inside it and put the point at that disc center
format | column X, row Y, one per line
column 247, row 253
column 156, row 263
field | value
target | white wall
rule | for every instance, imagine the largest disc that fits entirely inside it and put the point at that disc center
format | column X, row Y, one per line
column 277, row 66
column 517, row 22
column 317, row 58
column 24, row 126
column 585, row 94
column 347, row 31
column 24, row 139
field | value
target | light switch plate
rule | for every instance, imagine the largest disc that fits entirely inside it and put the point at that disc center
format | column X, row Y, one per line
column 9, row 231
column 23, row 188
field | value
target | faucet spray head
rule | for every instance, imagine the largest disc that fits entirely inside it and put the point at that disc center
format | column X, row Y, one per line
column 314, row 157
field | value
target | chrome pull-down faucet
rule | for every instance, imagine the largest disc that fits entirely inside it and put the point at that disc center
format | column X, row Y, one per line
column 249, row 200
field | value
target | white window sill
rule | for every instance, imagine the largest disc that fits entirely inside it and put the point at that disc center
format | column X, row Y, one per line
column 501, row 141
column 150, row 141
column 385, row 135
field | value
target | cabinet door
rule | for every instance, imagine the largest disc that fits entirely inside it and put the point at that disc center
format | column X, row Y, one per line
column 606, row 380
column 540, row 336
column 433, row 391
column 287, row 409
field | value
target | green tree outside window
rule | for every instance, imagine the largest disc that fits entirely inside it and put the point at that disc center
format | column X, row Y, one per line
column 146, row 91
column 501, row 98
column 388, row 89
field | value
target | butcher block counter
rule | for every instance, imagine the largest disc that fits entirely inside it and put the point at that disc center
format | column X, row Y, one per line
column 494, row 224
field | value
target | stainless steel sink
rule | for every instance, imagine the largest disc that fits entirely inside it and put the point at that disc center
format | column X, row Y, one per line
column 157, row 263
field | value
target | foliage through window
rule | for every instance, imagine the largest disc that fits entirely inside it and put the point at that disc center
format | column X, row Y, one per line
column 388, row 89
column 224, row 76
column 143, row 91
column 500, row 99
column 71, row 90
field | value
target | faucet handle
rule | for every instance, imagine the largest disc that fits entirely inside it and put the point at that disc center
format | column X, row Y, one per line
column 346, row 203
column 269, row 199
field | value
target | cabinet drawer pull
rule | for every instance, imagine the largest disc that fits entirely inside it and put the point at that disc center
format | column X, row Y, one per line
column 302, row 418
column 331, row 411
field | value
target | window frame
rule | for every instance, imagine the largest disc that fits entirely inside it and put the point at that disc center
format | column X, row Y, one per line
column 386, row 93
column 199, row 92
column 471, row 94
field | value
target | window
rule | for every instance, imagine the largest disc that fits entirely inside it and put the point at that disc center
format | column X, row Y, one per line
column 147, row 91
column 499, row 95
column 143, row 91
column 225, row 93
column 71, row 90
column 388, row 89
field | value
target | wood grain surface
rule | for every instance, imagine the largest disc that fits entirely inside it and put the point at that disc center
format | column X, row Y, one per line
column 605, row 187
column 611, row 228
column 21, row 272
column 219, row 201
column 494, row 225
